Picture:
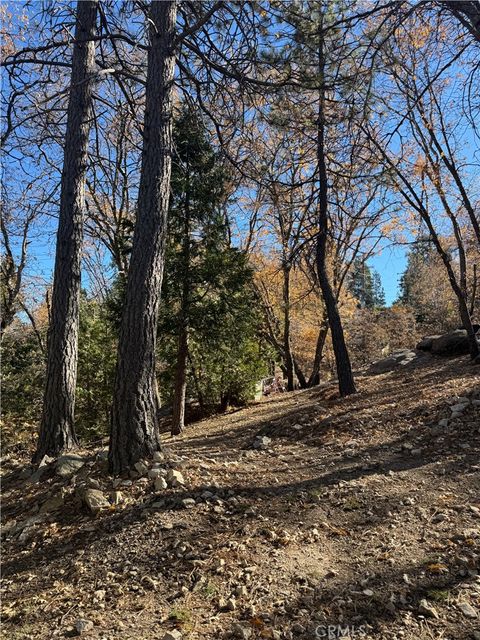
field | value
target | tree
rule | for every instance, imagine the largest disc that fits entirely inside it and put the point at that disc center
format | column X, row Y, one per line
column 134, row 429
column 365, row 284
column 57, row 431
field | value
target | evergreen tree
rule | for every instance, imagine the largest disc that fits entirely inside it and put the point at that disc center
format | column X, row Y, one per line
column 208, row 313
column 365, row 284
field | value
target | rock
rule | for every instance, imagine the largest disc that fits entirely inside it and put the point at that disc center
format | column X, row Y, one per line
column 231, row 604
column 160, row 484
column 102, row 454
column 443, row 422
column 467, row 609
column 174, row 634
column 175, row 478
column 425, row 344
column 454, row 343
column 261, row 442
column 240, row 631
column 153, row 474
column 158, row 456
column 83, row 626
column 426, row 609
column 53, row 503
column 95, row 500
column 416, row 452
column 68, row 465
column 399, row 358
column 141, row 468
column 188, row 503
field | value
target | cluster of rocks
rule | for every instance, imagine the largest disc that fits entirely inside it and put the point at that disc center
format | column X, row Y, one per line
column 393, row 361
column 454, row 343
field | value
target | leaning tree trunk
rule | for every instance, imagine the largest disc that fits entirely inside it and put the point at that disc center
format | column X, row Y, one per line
column 134, row 426
column 344, row 369
column 57, row 431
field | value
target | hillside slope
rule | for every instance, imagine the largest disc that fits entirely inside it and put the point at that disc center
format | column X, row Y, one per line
column 361, row 512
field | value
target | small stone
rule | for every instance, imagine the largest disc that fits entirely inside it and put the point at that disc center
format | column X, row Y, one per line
column 83, row 626
column 416, row 452
column 188, row 503
column 68, row 465
column 240, row 631
column 174, row 634
column 175, row 478
column 467, row 610
column 261, row 442
column 95, row 500
column 160, row 484
column 158, row 456
column 231, row 605
column 426, row 609
column 443, row 422
column 153, row 474
column 367, row 592
column 141, row 468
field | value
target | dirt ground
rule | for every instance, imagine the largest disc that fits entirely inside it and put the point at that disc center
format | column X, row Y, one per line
column 360, row 519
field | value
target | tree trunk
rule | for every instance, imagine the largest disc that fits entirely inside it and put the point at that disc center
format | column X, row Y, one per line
column 289, row 367
column 314, row 378
column 342, row 360
column 178, row 417
column 134, row 427
column 57, row 431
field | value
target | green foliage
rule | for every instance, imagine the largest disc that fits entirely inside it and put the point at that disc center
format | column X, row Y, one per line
column 23, row 378
column 365, row 284
column 23, row 375
column 97, row 352
column 207, row 285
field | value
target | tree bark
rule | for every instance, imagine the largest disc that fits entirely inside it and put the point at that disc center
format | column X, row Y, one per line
column 134, row 426
column 346, row 382
column 314, row 378
column 289, row 366
column 178, row 417
column 57, row 431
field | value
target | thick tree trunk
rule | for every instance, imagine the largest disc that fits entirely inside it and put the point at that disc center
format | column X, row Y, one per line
column 342, row 360
column 57, row 432
column 134, row 427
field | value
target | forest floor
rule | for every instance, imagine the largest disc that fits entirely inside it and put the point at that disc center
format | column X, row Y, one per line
column 360, row 512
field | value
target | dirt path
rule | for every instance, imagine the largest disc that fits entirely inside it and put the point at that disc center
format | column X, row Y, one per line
column 359, row 513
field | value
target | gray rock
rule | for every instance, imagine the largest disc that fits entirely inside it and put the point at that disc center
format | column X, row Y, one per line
column 68, row 465
column 174, row 634
column 262, row 442
column 141, row 468
column 175, row 478
column 95, row 500
column 153, row 474
column 158, row 456
column 467, row 610
column 240, row 631
column 83, row 626
column 454, row 343
column 188, row 503
column 160, row 484
column 399, row 358
column 425, row 344
column 426, row 609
